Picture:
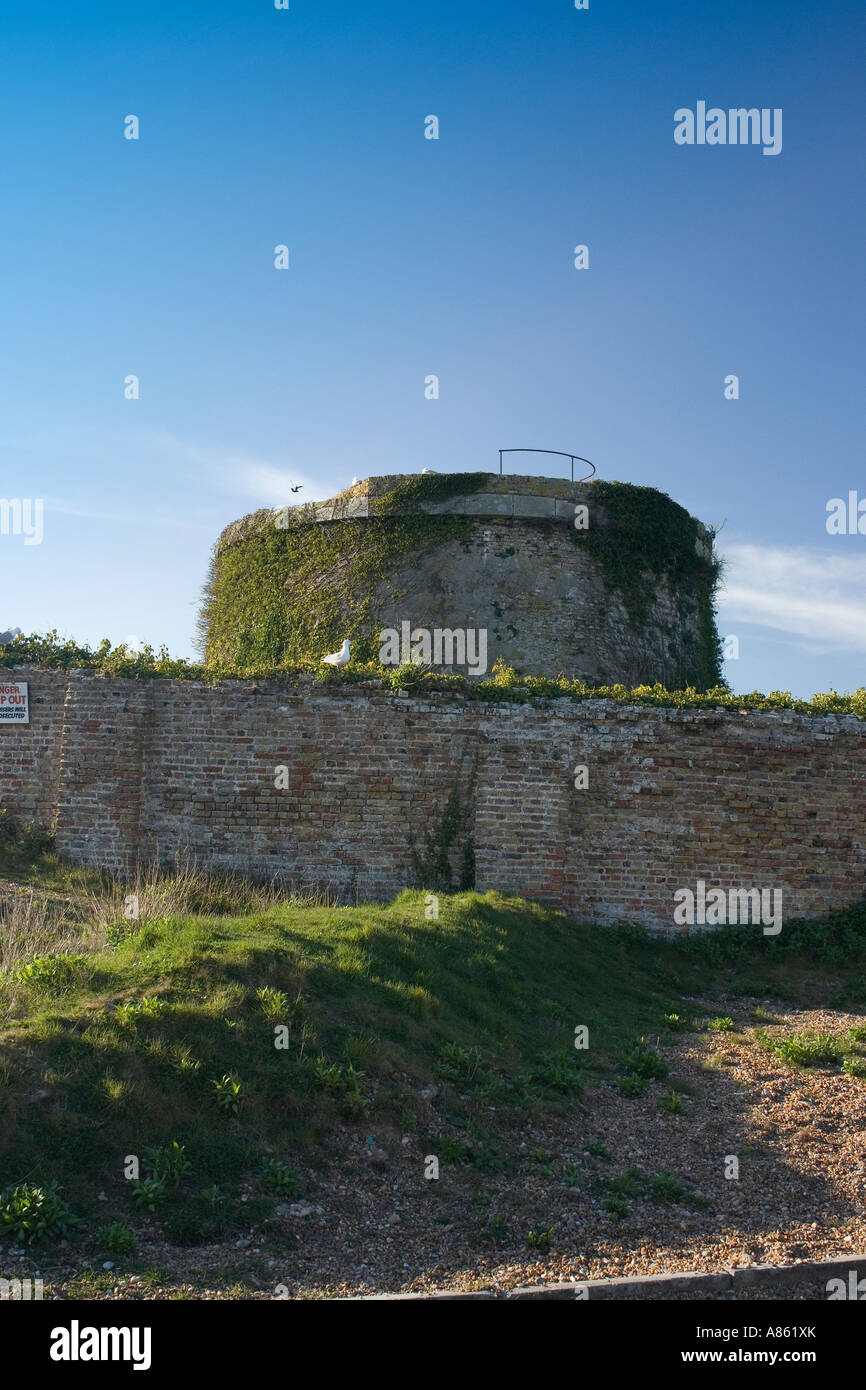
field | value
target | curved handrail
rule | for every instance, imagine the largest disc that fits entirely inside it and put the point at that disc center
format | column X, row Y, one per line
column 559, row 453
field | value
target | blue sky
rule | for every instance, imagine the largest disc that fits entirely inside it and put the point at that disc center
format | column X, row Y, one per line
column 409, row 256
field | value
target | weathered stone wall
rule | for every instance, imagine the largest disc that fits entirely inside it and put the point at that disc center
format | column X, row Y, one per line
column 766, row 800
column 544, row 605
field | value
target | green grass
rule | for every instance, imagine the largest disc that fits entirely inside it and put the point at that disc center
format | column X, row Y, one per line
column 640, row 1064
column 658, row 1188
column 162, row 1046
column 808, row 1049
column 170, row 1037
column 676, row 1023
column 138, row 1040
column 46, row 870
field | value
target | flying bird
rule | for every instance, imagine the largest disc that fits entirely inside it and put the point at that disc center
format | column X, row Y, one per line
column 339, row 658
column 296, row 489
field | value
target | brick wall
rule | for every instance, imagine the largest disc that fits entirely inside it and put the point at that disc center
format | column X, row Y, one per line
column 766, row 800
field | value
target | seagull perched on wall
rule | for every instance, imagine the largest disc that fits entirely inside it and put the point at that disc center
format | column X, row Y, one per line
column 339, row 658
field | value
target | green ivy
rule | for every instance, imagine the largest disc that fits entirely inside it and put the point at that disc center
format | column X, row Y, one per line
column 48, row 652
column 429, row 487
column 431, row 863
column 647, row 537
column 280, row 596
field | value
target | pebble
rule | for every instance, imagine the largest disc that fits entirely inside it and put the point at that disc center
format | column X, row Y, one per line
column 756, row 1223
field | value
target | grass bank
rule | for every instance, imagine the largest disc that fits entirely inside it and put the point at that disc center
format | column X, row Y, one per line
column 189, row 1069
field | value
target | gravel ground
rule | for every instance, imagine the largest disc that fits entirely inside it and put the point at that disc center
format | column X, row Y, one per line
column 369, row 1222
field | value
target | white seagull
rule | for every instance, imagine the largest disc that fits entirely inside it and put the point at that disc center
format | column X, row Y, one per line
column 339, row 658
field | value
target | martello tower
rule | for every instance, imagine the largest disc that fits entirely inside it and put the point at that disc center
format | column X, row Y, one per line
column 607, row 582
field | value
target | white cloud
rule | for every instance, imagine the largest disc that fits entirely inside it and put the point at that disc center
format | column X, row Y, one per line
column 273, row 486
column 94, row 512
column 168, row 459
column 810, row 593
column 259, row 480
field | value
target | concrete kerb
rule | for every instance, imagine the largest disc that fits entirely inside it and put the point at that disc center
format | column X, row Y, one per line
column 651, row 1285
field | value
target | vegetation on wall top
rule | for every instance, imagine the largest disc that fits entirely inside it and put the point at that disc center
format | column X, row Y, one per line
column 48, row 652
column 429, row 487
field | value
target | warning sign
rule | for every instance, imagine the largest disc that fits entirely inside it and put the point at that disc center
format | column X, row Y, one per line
column 14, row 704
